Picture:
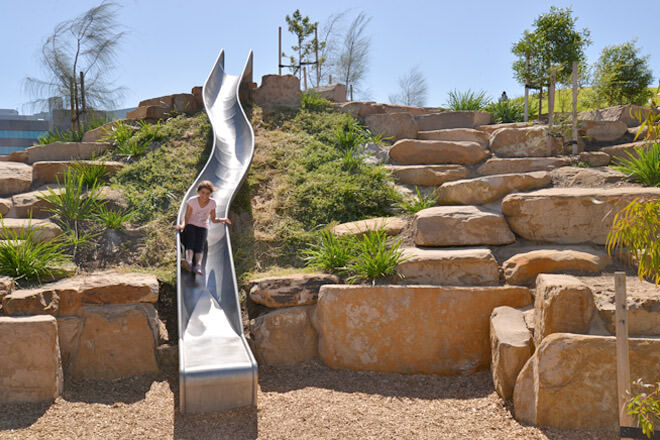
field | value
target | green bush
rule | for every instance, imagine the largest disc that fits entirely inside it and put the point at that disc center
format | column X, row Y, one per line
column 120, row 133
column 314, row 102
column 418, row 202
column 329, row 253
column 468, row 100
column 509, row 111
column 58, row 135
column 376, row 257
column 112, row 218
column 643, row 165
column 92, row 173
column 22, row 257
column 133, row 147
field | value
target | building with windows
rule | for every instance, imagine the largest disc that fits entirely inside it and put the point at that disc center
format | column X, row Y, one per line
column 19, row 131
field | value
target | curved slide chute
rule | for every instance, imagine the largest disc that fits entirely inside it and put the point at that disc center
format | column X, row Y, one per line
column 217, row 370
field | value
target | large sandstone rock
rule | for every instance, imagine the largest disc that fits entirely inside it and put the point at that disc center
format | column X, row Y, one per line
column 44, row 230
column 456, row 134
column 391, row 226
column 496, row 165
column 361, row 109
column 65, row 151
column 99, row 134
column 413, row 151
column 331, row 92
column 595, row 158
column 460, row 226
column 409, row 329
column 30, row 204
column 14, row 178
column 624, row 113
column 602, row 131
column 427, row 175
column 395, row 125
column 488, row 189
column 285, row 336
column 453, row 267
column 68, row 330
column 289, row 290
column 524, row 142
column 278, row 91
column 461, row 119
column 570, row 381
column 5, row 206
column 149, row 113
column 569, row 215
column 494, row 127
column 116, row 341
column 587, row 177
column 67, row 296
column 179, row 102
column 6, row 285
column 51, row 171
column 523, row 268
column 563, row 304
column 31, row 368
column 624, row 151
column 510, row 346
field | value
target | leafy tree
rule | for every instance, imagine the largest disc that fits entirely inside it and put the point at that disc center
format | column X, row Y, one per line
column 303, row 28
column 78, row 57
column 413, row 89
column 353, row 57
column 622, row 75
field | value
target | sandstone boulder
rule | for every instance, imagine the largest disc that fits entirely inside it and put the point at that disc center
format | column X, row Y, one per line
column 66, row 297
column 493, row 127
column 409, row 329
column 179, row 102
column 456, row 134
column 563, row 304
column 99, row 134
column 569, row 215
column 68, row 331
column 595, row 158
column 5, row 206
column 289, row 290
column 413, row 110
column 488, row 189
column 331, row 92
column 44, row 230
column 525, row 142
column 624, row 113
column 6, row 285
column 64, row 151
column 15, row 178
column 498, row 165
column 460, row 119
column 570, row 381
column 624, row 151
column 116, row 341
column 31, row 368
column 588, row 177
column 149, row 113
column 413, row 151
column 30, row 204
column 51, row 171
column 361, row 109
column 602, row 131
column 453, row 267
column 427, row 175
column 391, row 226
column 510, row 345
column 523, row 268
column 278, row 91
column 460, row 226
column 395, row 125
column 285, row 336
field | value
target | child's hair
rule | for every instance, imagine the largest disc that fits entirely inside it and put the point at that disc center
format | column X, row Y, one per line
column 205, row 184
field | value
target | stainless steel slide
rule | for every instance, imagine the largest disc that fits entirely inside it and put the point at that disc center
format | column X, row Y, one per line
column 217, row 370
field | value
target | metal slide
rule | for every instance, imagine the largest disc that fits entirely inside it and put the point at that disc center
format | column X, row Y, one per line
column 217, row 370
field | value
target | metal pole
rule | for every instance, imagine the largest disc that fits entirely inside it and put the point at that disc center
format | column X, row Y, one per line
column 622, row 359
column 551, row 99
column 318, row 71
column 279, row 53
column 575, row 98
column 527, row 89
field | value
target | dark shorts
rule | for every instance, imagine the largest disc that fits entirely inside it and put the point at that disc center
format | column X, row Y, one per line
column 194, row 237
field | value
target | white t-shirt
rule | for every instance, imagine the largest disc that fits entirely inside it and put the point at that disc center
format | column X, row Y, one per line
column 200, row 216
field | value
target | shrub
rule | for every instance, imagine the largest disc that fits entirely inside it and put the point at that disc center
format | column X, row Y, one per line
column 148, row 132
column 58, row 135
column 418, row 202
column 329, row 253
column 133, row 147
column 468, row 100
column 313, row 102
column 120, row 133
column 643, row 165
column 349, row 135
column 509, row 110
column 92, row 173
column 376, row 257
column 644, row 405
column 112, row 218
column 22, row 257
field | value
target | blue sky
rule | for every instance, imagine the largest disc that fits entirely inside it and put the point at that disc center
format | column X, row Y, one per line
column 172, row 44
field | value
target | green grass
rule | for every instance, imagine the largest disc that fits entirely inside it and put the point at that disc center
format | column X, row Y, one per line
column 418, row 202
column 330, row 253
column 468, row 100
column 376, row 257
column 112, row 218
column 311, row 101
column 58, row 135
column 92, row 173
column 643, row 165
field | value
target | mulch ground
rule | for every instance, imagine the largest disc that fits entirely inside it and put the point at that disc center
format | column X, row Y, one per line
column 305, row 401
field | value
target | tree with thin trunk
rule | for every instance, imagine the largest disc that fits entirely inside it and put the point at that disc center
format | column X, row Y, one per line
column 329, row 34
column 353, row 57
column 78, row 57
column 413, row 89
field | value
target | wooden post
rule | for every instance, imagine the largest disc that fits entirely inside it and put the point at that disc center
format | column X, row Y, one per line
column 83, row 101
column 351, row 92
column 318, row 70
column 540, row 101
column 575, row 97
column 305, row 76
column 279, row 52
column 622, row 359
column 551, row 99
column 330, row 79
column 526, row 89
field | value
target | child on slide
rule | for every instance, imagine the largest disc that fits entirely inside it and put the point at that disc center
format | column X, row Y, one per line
column 195, row 225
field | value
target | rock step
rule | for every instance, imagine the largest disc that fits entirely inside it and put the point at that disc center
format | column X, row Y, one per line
column 569, row 215
column 445, row 120
column 497, row 165
column 525, row 142
column 391, row 226
column 602, row 131
column 44, row 230
column 490, row 128
column 624, row 150
column 392, row 125
column 453, row 267
column 483, row 190
column 427, row 175
column 14, row 178
column 293, row 290
column 51, row 171
column 5, row 206
column 524, row 267
column 29, row 204
column 57, row 151
column 414, row 151
column 455, row 134
column 460, row 226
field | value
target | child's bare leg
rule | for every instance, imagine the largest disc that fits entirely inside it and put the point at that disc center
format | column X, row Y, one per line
column 189, row 257
column 198, row 258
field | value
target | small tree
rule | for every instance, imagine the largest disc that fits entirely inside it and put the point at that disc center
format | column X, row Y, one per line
column 329, row 33
column 353, row 57
column 78, row 56
column 303, row 28
column 622, row 75
column 412, row 89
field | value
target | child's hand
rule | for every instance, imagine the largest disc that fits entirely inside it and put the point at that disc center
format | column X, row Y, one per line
column 223, row 220
column 179, row 227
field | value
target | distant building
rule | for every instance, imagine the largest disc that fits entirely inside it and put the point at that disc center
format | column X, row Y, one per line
column 18, row 131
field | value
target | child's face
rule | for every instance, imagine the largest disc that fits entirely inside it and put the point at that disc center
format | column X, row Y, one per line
column 204, row 194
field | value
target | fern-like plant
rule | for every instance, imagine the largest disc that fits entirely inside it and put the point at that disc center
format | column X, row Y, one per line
column 112, row 218
column 643, row 165
column 92, row 172
column 329, row 253
column 376, row 257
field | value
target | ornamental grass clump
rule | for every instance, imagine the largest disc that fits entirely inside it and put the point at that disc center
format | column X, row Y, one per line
column 643, row 165
column 418, row 202
column 330, row 253
column 468, row 100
